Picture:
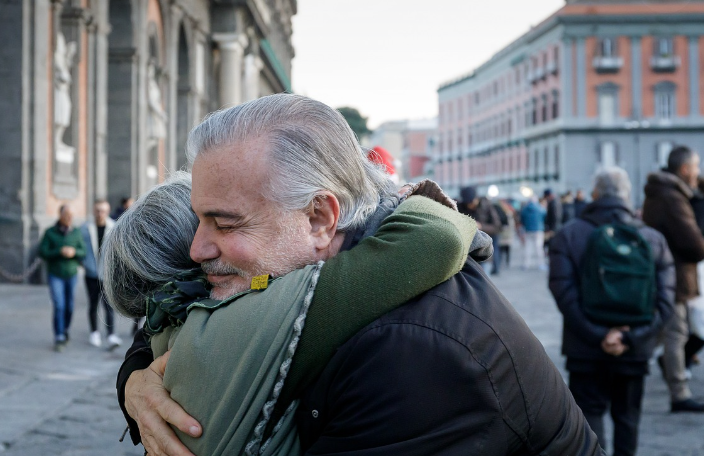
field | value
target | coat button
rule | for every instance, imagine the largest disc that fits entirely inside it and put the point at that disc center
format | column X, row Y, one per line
column 315, row 414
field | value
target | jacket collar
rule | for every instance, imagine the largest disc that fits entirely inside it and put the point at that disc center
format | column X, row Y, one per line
column 608, row 209
column 667, row 179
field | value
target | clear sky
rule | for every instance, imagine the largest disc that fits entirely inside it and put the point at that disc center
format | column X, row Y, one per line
column 388, row 57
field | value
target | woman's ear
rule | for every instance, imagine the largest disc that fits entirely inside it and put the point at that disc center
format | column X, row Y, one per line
column 323, row 215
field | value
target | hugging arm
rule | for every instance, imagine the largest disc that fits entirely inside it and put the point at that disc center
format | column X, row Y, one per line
column 422, row 244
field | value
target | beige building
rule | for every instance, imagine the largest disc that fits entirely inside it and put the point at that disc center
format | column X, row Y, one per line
column 97, row 97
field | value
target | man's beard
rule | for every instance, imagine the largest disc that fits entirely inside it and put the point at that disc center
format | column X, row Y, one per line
column 283, row 255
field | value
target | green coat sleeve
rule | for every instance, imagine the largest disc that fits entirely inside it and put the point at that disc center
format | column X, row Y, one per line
column 49, row 250
column 420, row 245
column 80, row 245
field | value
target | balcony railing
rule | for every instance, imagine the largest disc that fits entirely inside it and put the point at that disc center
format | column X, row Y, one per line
column 664, row 63
column 552, row 68
column 610, row 64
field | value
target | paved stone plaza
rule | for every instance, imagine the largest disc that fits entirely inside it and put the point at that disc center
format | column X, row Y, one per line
column 64, row 403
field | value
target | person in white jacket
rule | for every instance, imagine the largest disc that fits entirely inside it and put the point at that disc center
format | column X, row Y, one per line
column 94, row 231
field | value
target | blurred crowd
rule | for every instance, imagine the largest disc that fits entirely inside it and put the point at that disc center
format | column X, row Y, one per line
column 626, row 280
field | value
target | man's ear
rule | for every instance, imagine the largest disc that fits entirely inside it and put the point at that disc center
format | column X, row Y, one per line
column 323, row 215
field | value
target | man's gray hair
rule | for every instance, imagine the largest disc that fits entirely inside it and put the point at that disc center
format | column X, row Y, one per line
column 312, row 149
column 614, row 182
column 149, row 245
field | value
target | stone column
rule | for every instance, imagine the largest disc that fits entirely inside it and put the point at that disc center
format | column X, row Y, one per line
column 636, row 77
column 581, row 78
column 694, row 63
column 252, row 69
column 98, row 87
column 567, row 79
column 231, row 46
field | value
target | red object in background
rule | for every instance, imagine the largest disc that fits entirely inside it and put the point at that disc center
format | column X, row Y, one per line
column 381, row 156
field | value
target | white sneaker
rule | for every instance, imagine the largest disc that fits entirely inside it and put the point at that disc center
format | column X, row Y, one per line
column 95, row 339
column 114, row 341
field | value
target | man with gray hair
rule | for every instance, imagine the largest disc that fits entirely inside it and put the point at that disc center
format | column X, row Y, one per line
column 607, row 354
column 281, row 182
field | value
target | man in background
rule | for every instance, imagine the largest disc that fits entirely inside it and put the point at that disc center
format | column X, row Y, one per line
column 580, row 202
column 553, row 217
column 62, row 249
column 125, row 204
column 667, row 208
column 606, row 364
column 93, row 232
column 533, row 222
column 487, row 218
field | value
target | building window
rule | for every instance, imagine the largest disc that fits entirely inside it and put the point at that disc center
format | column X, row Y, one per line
column 608, row 155
column 664, row 47
column 607, row 94
column 544, row 109
column 534, row 117
column 607, row 47
column 557, row 162
column 665, row 100
column 663, row 153
column 607, row 108
column 555, row 104
column 527, row 161
column 536, row 163
column 546, row 161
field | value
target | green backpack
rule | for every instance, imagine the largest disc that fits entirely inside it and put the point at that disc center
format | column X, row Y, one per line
column 618, row 284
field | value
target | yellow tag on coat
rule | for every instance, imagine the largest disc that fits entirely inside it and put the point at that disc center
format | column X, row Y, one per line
column 260, row 282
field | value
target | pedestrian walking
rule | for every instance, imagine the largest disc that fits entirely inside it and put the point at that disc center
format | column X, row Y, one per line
column 125, row 204
column 63, row 250
column 533, row 222
column 93, row 232
column 667, row 208
column 696, row 306
column 508, row 232
column 553, row 216
column 568, row 208
column 484, row 213
column 611, row 319
column 580, row 202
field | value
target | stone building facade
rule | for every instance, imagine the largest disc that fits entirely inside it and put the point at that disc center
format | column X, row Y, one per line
column 598, row 83
column 97, row 96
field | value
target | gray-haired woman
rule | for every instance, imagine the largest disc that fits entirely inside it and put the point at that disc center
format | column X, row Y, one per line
column 232, row 361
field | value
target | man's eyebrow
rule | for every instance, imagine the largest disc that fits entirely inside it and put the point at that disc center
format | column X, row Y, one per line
column 224, row 214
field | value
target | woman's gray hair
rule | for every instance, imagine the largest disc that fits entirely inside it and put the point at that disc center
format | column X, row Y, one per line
column 614, row 182
column 312, row 149
column 149, row 245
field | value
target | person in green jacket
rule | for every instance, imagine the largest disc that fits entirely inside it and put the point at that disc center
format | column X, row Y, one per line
column 62, row 249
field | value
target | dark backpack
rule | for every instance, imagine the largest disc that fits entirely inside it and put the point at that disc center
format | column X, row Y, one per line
column 618, row 282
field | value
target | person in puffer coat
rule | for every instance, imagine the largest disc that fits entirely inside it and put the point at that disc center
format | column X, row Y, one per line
column 607, row 365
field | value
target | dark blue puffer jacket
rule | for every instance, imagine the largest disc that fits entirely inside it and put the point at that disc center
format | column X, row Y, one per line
column 581, row 338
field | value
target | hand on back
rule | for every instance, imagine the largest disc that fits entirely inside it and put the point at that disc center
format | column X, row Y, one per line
column 151, row 406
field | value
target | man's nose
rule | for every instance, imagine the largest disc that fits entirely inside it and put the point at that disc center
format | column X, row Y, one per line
column 202, row 248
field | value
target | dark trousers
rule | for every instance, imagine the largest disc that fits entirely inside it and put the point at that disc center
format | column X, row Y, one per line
column 505, row 251
column 595, row 392
column 691, row 348
column 94, row 297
